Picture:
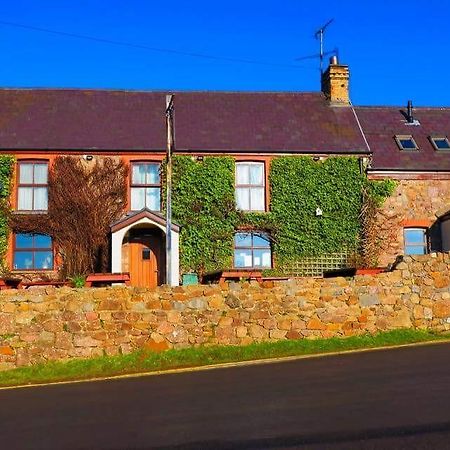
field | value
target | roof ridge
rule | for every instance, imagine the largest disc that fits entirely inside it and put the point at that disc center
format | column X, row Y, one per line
column 156, row 91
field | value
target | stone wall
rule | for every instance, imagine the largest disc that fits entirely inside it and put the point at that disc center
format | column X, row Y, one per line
column 413, row 203
column 53, row 324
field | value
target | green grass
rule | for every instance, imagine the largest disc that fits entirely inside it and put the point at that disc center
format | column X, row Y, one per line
column 146, row 361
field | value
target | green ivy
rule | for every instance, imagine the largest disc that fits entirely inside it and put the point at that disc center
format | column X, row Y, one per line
column 6, row 172
column 299, row 185
column 204, row 205
column 379, row 190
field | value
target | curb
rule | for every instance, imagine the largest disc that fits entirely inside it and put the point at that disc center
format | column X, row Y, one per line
column 227, row 365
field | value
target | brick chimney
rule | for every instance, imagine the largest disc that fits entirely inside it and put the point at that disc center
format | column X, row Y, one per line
column 335, row 83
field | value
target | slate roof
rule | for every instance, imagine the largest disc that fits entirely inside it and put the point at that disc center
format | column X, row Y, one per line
column 381, row 124
column 67, row 119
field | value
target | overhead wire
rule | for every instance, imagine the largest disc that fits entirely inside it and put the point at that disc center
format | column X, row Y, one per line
column 151, row 48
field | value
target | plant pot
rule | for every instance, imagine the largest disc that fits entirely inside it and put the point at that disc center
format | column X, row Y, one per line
column 189, row 279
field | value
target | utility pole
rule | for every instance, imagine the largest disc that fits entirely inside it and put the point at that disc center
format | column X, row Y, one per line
column 170, row 149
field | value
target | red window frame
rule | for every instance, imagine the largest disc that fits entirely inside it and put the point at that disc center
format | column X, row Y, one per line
column 31, row 185
column 32, row 250
column 252, row 248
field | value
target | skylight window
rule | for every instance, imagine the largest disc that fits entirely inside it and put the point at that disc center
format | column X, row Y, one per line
column 406, row 142
column 440, row 142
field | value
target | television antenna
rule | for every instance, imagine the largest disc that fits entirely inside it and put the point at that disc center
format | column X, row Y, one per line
column 319, row 34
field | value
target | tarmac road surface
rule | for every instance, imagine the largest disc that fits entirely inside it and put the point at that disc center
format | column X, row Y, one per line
column 397, row 399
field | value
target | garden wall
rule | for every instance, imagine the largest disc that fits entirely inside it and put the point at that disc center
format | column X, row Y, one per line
column 53, row 324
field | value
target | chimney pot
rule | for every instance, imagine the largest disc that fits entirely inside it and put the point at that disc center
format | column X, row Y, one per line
column 333, row 60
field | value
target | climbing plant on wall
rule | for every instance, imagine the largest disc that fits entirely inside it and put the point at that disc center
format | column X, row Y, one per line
column 6, row 172
column 84, row 199
column 299, row 186
column 204, row 206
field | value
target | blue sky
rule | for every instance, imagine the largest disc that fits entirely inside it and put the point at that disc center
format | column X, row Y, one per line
column 396, row 50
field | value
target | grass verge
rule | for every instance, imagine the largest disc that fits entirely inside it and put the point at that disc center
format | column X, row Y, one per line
column 146, row 361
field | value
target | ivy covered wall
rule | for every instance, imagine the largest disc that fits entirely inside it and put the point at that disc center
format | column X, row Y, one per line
column 204, row 205
column 299, row 186
column 6, row 173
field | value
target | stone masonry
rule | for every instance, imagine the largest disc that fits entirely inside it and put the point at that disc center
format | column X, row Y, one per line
column 58, row 324
column 412, row 200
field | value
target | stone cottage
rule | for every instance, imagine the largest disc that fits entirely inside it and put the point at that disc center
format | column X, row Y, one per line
column 39, row 125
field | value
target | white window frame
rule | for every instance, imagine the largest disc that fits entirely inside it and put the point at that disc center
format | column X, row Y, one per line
column 439, row 138
column 406, row 137
column 423, row 245
column 251, row 187
column 153, row 186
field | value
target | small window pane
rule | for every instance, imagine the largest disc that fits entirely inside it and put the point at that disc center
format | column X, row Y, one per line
column 243, row 240
column 26, row 173
column 23, row 260
column 40, row 199
column 24, row 241
column 414, row 236
column 242, row 174
column 243, row 199
column 261, row 258
column 42, row 241
column 257, row 174
column 153, row 199
column 152, row 174
column 407, row 144
column 43, row 260
column 40, row 173
column 137, row 198
column 138, row 174
column 25, row 199
column 260, row 240
column 415, row 250
column 256, row 199
column 243, row 258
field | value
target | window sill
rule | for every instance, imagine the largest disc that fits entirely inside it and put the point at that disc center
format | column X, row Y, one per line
column 253, row 211
column 31, row 271
column 32, row 212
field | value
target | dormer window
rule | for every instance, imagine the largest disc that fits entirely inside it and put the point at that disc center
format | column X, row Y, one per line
column 440, row 142
column 406, row 142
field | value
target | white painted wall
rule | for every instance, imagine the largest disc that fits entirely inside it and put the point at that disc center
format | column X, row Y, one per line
column 116, row 249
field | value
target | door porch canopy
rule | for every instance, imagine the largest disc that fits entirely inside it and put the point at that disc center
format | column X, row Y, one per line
column 142, row 218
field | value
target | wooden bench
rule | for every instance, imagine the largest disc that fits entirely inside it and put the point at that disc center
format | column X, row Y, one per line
column 232, row 274
column 107, row 278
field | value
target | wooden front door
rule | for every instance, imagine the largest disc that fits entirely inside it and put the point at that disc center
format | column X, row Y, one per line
column 145, row 260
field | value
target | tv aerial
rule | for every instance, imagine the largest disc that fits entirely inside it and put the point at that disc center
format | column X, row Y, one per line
column 319, row 34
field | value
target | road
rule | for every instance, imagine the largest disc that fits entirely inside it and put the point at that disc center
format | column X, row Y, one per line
column 377, row 400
